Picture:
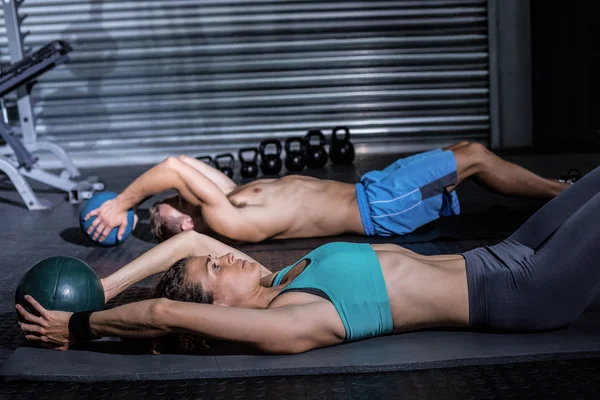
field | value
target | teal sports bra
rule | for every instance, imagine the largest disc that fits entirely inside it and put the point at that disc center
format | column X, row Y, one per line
column 349, row 276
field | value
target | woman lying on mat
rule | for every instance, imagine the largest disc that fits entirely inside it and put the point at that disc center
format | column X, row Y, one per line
column 540, row 278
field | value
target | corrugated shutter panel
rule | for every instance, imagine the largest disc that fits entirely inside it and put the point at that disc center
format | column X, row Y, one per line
column 152, row 78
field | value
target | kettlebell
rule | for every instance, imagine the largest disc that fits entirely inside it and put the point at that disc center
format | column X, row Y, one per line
column 270, row 164
column 342, row 150
column 206, row 159
column 249, row 168
column 225, row 167
column 316, row 156
column 295, row 160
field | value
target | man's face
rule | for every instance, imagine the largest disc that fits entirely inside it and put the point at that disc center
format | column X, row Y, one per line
column 172, row 211
column 181, row 215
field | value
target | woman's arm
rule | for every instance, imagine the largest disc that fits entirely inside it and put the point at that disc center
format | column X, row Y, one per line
column 161, row 257
column 269, row 330
column 284, row 330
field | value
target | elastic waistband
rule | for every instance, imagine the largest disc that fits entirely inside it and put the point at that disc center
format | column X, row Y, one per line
column 365, row 211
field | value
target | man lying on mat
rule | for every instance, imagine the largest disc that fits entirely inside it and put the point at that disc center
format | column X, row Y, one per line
column 404, row 196
column 540, row 278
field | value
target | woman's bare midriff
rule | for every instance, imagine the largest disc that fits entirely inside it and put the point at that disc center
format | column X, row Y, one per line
column 424, row 291
column 300, row 206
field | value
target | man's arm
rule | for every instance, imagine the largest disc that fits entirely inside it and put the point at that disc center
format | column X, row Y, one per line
column 219, row 178
column 166, row 176
column 161, row 257
column 218, row 212
column 162, row 177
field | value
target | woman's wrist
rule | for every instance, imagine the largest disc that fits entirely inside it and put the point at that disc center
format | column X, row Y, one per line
column 79, row 326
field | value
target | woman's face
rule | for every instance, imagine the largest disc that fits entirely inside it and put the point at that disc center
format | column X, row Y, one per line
column 233, row 282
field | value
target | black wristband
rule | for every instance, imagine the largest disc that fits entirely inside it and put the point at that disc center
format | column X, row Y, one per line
column 79, row 326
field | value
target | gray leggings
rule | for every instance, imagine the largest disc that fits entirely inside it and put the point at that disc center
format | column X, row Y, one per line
column 545, row 274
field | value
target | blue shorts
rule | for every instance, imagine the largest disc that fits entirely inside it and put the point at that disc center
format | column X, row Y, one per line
column 408, row 194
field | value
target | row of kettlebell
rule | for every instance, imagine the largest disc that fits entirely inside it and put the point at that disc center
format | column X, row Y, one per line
column 300, row 152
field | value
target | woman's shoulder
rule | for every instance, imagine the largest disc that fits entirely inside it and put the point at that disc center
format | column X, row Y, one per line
column 312, row 313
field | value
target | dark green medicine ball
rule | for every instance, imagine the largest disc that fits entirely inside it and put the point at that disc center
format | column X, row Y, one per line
column 61, row 283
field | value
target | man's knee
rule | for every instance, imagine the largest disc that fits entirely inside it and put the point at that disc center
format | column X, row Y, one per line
column 471, row 158
column 456, row 146
column 474, row 148
column 474, row 152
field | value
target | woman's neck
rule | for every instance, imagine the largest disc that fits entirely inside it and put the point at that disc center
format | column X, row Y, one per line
column 264, row 296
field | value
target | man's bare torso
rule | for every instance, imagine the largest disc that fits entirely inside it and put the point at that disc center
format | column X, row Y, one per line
column 298, row 206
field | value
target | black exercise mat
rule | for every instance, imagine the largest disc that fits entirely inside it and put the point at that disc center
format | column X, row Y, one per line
column 408, row 351
column 114, row 360
column 556, row 379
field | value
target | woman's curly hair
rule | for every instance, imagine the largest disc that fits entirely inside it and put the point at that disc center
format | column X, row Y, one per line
column 173, row 286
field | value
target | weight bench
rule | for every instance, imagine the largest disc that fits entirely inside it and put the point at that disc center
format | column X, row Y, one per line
column 16, row 158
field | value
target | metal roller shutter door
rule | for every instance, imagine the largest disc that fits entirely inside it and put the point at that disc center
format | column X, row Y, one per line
column 153, row 78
